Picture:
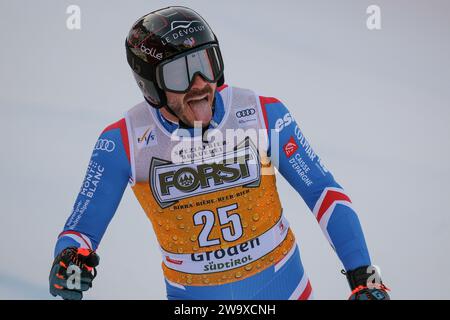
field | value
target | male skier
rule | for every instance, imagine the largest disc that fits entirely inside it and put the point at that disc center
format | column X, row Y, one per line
column 199, row 156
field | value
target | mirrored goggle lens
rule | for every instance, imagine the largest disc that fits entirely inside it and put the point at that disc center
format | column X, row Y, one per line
column 178, row 74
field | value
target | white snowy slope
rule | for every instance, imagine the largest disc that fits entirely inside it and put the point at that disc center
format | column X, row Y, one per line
column 375, row 106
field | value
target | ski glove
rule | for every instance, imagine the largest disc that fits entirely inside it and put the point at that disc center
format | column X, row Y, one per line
column 72, row 272
column 366, row 284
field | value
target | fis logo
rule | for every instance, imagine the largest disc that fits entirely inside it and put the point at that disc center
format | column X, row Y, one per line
column 290, row 147
column 146, row 137
column 171, row 182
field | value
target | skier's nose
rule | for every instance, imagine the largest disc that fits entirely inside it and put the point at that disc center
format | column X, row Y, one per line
column 199, row 83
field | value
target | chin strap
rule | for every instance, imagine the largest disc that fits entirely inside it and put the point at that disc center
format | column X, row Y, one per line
column 152, row 104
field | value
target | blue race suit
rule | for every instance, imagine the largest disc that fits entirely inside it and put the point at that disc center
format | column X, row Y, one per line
column 220, row 226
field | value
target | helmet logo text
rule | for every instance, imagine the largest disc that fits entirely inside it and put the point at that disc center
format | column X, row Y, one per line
column 181, row 29
column 151, row 52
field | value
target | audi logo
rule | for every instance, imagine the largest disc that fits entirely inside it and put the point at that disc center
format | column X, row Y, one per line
column 245, row 113
column 105, row 145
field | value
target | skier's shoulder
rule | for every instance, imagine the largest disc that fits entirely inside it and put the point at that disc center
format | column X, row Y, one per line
column 263, row 99
column 242, row 95
column 123, row 124
column 114, row 138
column 271, row 108
column 116, row 125
column 120, row 130
column 228, row 90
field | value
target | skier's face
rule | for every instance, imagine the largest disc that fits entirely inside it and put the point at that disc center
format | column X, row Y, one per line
column 194, row 105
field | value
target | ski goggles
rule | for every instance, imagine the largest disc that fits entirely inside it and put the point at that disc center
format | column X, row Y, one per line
column 177, row 74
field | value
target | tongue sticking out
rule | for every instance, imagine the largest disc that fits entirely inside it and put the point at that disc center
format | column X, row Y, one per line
column 201, row 110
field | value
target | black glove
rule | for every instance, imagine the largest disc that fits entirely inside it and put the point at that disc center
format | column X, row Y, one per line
column 72, row 273
column 366, row 284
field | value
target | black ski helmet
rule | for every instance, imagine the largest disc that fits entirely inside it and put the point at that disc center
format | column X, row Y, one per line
column 161, row 35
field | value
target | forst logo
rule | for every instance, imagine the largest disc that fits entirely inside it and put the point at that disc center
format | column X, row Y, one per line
column 186, row 180
column 189, row 179
column 172, row 182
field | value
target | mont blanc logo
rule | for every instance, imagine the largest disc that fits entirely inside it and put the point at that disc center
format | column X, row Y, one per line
column 105, row 145
column 181, row 29
column 171, row 182
column 151, row 52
